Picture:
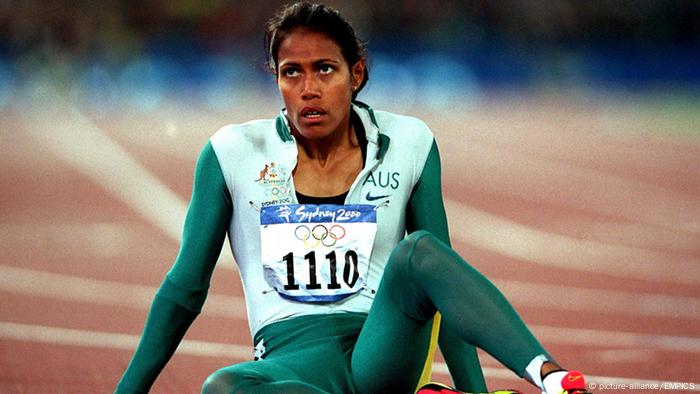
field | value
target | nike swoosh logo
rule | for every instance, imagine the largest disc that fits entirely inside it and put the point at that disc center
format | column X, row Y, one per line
column 374, row 198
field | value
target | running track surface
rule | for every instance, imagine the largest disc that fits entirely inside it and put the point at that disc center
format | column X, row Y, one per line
column 585, row 213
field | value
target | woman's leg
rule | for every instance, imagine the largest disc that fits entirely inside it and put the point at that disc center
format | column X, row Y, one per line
column 306, row 354
column 424, row 275
column 257, row 377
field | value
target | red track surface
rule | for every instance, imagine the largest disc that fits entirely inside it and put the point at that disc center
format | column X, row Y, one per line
column 578, row 193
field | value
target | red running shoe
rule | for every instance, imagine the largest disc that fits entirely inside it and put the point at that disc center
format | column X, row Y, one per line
column 564, row 382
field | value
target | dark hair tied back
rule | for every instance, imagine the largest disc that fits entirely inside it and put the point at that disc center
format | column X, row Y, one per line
column 318, row 18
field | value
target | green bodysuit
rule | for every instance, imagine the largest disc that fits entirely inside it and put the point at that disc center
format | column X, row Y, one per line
column 374, row 340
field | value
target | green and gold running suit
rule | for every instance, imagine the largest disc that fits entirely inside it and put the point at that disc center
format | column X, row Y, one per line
column 373, row 341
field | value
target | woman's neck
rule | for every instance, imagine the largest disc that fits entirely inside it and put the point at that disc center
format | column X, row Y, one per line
column 327, row 149
column 327, row 167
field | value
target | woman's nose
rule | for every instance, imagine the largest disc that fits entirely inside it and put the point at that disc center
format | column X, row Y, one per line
column 311, row 88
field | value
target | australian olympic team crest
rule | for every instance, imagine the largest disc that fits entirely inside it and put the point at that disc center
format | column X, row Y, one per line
column 273, row 178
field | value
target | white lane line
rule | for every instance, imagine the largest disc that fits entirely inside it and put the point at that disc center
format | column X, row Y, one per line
column 631, row 356
column 88, row 239
column 650, row 238
column 102, row 292
column 66, row 132
column 45, row 284
column 521, row 242
column 570, row 298
column 615, row 339
column 109, row 340
column 105, row 340
column 554, row 182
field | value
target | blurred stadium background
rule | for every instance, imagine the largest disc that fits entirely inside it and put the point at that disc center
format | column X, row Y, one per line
column 570, row 134
column 111, row 53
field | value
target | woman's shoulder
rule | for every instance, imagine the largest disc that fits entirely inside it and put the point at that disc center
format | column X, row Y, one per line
column 238, row 134
column 409, row 137
column 406, row 133
column 390, row 122
column 243, row 130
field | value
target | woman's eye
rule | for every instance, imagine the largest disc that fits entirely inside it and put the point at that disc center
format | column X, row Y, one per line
column 290, row 72
column 326, row 69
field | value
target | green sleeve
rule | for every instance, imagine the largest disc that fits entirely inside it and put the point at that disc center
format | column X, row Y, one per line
column 426, row 211
column 184, row 289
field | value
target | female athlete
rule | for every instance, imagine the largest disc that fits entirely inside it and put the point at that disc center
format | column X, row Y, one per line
column 317, row 204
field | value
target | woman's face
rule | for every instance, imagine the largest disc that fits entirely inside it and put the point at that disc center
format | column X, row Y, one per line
column 316, row 83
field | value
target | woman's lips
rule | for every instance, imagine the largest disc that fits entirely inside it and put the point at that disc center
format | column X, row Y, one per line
column 312, row 114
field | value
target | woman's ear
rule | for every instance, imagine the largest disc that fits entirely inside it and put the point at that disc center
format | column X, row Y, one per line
column 358, row 73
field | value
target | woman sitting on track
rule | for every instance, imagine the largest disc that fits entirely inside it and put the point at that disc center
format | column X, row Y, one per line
column 317, row 203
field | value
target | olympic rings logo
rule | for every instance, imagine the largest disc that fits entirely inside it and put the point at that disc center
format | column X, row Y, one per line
column 319, row 234
column 276, row 191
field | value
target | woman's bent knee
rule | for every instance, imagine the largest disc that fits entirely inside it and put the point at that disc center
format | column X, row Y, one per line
column 220, row 382
column 240, row 379
column 413, row 253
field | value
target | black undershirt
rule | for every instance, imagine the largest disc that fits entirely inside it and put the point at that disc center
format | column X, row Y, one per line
column 335, row 200
column 340, row 199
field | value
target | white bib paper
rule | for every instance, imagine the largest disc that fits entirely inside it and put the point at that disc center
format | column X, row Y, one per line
column 317, row 253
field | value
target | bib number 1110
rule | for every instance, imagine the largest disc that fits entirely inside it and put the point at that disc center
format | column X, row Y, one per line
column 350, row 271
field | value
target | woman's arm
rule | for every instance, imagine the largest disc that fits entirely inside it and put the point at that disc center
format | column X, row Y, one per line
column 426, row 211
column 184, row 289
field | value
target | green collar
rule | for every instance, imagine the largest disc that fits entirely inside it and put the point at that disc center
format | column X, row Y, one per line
column 282, row 129
column 369, row 110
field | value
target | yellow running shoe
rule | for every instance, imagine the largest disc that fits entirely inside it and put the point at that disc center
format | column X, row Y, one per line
column 438, row 388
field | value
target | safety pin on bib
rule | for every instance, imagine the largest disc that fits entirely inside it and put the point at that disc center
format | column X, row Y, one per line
column 383, row 204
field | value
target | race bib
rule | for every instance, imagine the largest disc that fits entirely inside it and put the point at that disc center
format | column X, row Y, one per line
column 317, row 253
